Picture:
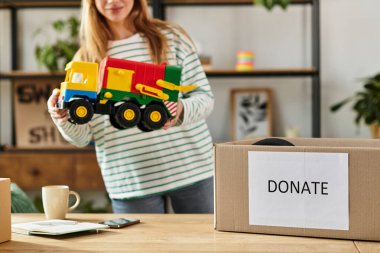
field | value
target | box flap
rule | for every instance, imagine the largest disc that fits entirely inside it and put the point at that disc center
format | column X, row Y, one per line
column 317, row 142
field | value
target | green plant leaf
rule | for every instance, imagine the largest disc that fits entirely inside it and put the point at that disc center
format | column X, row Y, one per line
column 284, row 4
column 369, row 120
column 357, row 119
column 269, row 4
column 59, row 25
column 366, row 102
column 376, row 77
column 66, row 50
column 48, row 57
column 373, row 86
column 338, row 105
column 74, row 26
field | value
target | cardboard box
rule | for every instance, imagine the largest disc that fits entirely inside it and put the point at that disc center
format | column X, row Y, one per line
column 5, row 209
column 348, row 209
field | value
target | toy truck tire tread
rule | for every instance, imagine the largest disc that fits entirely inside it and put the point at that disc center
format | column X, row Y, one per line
column 141, row 125
column 114, row 123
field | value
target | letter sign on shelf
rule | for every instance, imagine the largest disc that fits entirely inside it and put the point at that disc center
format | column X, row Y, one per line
column 33, row 125
column 298, row 189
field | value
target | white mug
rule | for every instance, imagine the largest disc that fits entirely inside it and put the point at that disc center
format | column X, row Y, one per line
column 55, row 199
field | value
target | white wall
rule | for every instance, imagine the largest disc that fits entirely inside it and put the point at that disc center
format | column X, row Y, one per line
column 350, row 42
column 5, row 86
column 350, row 51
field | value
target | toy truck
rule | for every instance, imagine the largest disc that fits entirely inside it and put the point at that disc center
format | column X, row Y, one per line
column 131, row 93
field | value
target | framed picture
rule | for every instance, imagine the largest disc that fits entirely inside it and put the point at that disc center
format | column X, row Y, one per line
column 251, row 113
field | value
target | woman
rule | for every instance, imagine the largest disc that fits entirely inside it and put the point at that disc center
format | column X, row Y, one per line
column 142, row 169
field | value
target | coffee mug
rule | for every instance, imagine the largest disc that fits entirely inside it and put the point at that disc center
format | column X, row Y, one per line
column 55, row 199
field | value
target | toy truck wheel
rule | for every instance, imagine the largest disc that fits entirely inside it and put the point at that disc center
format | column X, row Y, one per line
column 114, row 123
column 154, row 117
column 127, row 115
column 81, row 111
column 143, row 128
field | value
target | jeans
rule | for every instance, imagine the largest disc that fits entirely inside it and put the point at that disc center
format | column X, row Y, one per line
column 196, row 198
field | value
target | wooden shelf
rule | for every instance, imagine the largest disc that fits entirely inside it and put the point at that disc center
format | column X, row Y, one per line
column 7, row 149
column 263, row 73
column 39, row 4
column 279, row 72
column 77, row 3
column 223, row 2
column 30, row 74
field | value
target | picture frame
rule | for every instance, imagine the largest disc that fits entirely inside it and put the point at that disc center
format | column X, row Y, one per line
column 251, row 113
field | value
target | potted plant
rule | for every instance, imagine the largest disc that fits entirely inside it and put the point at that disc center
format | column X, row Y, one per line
column 366, row 104
column 269, row 4
column 55, row 56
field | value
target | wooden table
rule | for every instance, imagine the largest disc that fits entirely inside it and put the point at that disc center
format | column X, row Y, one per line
column 171, row 233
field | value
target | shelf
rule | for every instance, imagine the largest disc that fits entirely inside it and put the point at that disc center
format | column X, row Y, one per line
column 39, row 4
column 7, row 149
column 77, row 3
column 293, row 72
column 30, row 74
column 301, row 72
column 223, row 2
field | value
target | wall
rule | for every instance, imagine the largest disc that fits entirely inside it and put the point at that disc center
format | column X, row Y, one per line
column 350, row 50
column 5, row 87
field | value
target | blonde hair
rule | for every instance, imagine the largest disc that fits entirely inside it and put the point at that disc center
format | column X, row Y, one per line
column 95, row 32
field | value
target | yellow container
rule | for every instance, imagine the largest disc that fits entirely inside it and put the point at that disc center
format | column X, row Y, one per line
column 245, row 61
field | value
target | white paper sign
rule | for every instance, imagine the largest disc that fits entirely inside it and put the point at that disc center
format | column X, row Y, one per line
column 298, row 189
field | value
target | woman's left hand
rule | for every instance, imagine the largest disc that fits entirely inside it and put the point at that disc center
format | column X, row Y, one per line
column 172, row 122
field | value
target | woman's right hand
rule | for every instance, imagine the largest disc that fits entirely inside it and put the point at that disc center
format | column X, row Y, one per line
column 59, row 116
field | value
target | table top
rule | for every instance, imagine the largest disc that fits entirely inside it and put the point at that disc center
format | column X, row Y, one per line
column 171, row 233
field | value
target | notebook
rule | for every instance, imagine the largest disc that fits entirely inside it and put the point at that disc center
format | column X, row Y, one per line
column 55, row 227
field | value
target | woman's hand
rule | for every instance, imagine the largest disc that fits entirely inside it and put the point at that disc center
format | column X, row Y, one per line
column 172, row 122
column 59, row 116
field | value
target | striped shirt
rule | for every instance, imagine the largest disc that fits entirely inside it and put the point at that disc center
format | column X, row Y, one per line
column 137, row 164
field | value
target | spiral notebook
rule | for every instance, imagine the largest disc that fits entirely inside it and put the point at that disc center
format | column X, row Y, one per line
column 55, row 227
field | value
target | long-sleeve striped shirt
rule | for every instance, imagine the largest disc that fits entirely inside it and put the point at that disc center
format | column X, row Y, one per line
column 137, row 164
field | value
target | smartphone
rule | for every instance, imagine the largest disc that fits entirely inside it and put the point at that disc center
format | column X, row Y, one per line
column 120, row 222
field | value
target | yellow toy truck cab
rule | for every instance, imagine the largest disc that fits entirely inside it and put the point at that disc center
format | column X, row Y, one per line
column 80, row 82
column 79, row 91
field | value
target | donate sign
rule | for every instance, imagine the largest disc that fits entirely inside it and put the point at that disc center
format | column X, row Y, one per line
column 298, row 189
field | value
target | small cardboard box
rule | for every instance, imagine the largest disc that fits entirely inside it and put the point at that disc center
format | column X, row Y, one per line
column 318, row 188
column 5, row 209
